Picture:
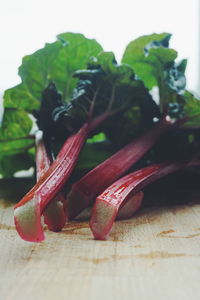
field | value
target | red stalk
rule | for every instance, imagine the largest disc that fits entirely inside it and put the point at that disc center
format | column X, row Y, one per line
column 54, row 214
column 125, row 212
column 115, row 196
column 130, row 207
column 85, row 190
column 28, row 211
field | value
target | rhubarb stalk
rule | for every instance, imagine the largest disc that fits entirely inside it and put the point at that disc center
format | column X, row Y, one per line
column 125, row 212
column 107, row 204
column 84, row 191
column 54, row 214
column 27, row 214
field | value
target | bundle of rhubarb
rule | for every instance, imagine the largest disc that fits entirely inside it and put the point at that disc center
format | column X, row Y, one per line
column 93, row 132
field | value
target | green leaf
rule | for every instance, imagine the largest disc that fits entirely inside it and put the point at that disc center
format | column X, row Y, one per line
column 137, row 49
column 16, row 123
column 36, row 68
column 76, row 51
column 108, row 87
column 113, row 72
column 15, row 126
column 56, row 62
column 154, row 63
column 35, row 75
column 145, row 71
column 175, row 76
column 192, row 110
column 20, row 97
column 148, row 56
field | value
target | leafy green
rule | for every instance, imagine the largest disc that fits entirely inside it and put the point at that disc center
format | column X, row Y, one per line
column 146, row 54
column 155, row 64
column 108, row 88
column 56, row 62
column 20, row 97
column 16, row 125
column 191, row 110
column 13, row 144
column 71, row 81
column 75, row 55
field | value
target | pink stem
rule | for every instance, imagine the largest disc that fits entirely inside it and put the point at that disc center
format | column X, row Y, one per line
column 115, row 196
column 54, row 214
column 85, row 190
column 125, row 212
column 28, row 211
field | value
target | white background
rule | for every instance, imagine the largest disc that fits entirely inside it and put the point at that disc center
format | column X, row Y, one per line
column 25, row 25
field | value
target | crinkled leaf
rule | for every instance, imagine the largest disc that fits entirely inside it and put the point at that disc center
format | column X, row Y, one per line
column 146, row 71
column 20, row 97
column 137, row 48
column 73, row 56
column 192, row 110
column 149, row 50
column 155, row 64
column 35, row 73
column 16, row 124
column 111, row 87
column 113, row 72
column 55, row 62
column 175, row 76
column 36, row 69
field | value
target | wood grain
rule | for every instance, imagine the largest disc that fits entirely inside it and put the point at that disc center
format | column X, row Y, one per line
column 155, row 255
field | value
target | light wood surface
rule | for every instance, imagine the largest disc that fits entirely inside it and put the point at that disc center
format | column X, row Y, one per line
column 155, row 255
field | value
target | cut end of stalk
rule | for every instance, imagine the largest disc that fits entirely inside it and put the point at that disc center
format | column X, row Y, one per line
column 103, row 216
column 28, row 221
column 129, row 209
column 54, row 216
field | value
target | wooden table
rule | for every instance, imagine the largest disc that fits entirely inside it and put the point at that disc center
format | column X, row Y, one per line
column 155, row 255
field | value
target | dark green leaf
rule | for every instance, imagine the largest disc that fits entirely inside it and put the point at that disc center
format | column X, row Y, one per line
column 17, row 162
column 112, row 88
column 175, row 76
